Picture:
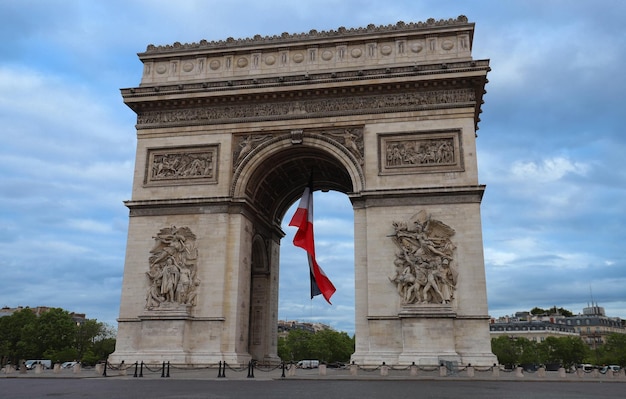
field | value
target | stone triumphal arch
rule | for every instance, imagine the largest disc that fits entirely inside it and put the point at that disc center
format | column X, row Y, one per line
column 227, row 134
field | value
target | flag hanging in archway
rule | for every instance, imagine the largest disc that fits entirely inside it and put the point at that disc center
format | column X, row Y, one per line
column 303, row 220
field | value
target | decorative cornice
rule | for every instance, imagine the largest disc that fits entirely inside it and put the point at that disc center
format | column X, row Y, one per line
column 418, row 196
column 313, row 34
column 181, row 206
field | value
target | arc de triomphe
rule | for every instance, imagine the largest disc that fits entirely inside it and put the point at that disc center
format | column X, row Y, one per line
column 227, row 134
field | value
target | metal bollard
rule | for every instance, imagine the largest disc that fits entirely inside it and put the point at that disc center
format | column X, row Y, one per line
column 250, row 369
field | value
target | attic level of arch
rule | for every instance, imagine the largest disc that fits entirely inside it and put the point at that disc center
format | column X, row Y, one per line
column 380, row 91
column 430, row 71
column 460, row 23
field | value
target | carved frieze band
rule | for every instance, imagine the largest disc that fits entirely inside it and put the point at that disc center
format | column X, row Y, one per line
column 307, row 108
column 351, row 138
column 182, row 165
column 420, row 152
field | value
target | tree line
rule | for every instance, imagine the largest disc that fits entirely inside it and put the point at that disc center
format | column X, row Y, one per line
column 565, row 351
column 53, row 335
column 327, row 346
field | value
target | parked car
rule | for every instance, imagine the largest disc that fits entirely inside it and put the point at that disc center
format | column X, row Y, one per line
column 68, row 365
column 30, row 364
column 553, row 366
column 612, row 367
column 529, row 367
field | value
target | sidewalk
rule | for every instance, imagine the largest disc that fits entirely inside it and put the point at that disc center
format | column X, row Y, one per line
column 354, row 372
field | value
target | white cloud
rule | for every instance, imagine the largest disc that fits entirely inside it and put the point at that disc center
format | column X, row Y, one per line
column 548, row 170
column 499, row 258
column 89, row 225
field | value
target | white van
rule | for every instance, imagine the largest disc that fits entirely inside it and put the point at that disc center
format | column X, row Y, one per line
column 308, row 364
column 30, row 364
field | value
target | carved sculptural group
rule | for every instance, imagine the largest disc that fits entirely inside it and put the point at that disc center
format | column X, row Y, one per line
column 182, row 165
column 173, row 269
column 425, row 266
column 420, row 152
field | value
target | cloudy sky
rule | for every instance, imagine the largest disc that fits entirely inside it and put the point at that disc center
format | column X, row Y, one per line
column 551, row 146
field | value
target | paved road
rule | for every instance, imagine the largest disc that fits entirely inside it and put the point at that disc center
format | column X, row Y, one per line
column 301, row 389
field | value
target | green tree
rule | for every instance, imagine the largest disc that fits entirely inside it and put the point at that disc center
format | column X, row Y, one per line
column 568, row 351
column 86, row 335
column 565, row 312
column 297, row 345
column 330, row 346
column 553, row 310
column 549, row 351
column 327, row 346
column 538, row 311
column 53, row 335
column 12, row 329
column 527, row 351
column 505, row 350
column 55, row 332
column 615, row 350
column 574, row 351
column 100, row 350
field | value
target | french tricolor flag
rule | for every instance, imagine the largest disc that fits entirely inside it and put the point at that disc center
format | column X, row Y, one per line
column 303, row 220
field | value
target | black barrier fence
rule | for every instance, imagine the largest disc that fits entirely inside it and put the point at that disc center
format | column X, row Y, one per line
column 443, row 370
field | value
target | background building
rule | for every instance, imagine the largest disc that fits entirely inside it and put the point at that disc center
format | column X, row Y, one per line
column 593, row 326
column 284, row 326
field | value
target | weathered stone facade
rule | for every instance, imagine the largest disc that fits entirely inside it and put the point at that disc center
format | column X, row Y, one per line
column 227, row 133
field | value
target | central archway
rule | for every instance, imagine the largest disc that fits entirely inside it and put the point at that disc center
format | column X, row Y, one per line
column 276, row 174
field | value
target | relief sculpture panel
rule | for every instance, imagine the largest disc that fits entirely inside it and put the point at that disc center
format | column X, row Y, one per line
column 425, row 264
column 182, row 165
column 172, row 273
column 422, row 152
